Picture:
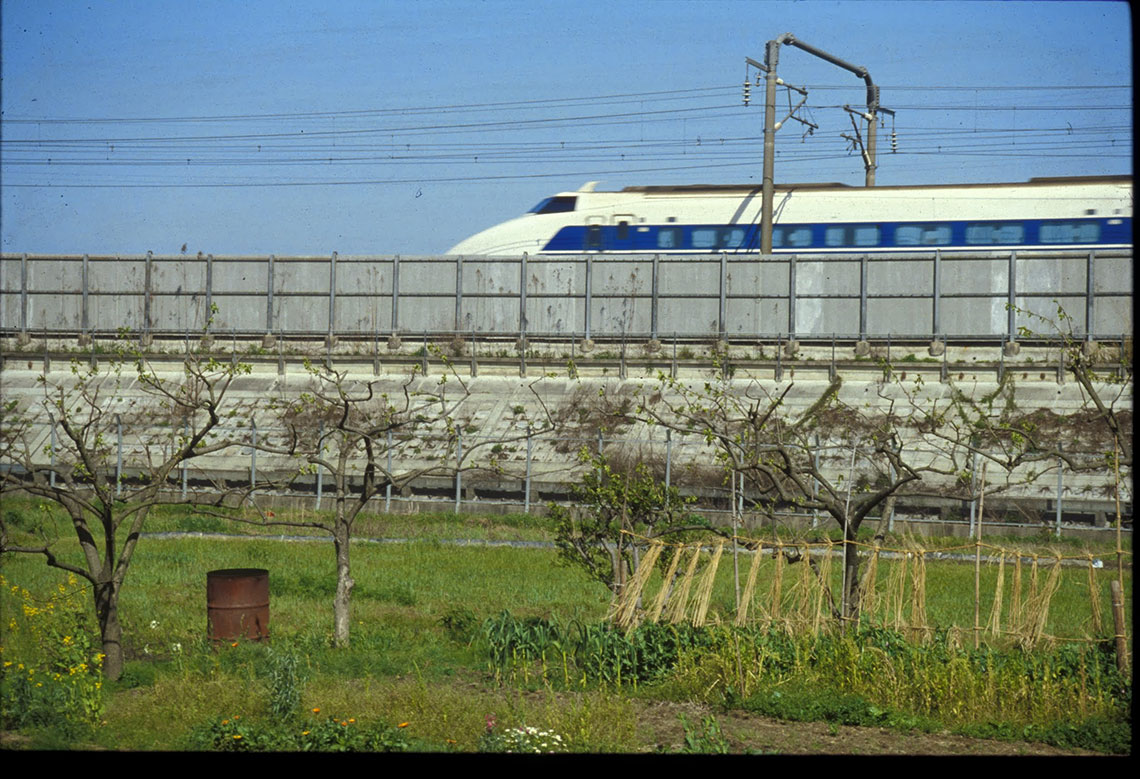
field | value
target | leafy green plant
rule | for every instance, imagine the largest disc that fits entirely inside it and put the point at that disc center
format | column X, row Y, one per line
column 704, row 740
column 615, row 505
column 285, row 683
column 61, row 685
column 331, row 734
column 460, row 623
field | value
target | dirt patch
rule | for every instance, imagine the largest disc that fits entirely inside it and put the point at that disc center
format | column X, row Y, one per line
column 661, row 725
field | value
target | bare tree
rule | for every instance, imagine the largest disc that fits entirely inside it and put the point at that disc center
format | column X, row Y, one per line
column 368, row 440
column 831, row 457
column 66, row 448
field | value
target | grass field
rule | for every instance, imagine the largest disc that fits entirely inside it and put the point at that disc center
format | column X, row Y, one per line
column 421, row 656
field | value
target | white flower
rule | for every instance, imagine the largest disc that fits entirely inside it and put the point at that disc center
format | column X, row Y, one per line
column 176, row 648
column 154, row 624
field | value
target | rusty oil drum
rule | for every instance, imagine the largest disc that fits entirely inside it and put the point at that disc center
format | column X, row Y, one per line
column 237, row 604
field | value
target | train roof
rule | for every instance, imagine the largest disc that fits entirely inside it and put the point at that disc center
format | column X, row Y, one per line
column 737, row 188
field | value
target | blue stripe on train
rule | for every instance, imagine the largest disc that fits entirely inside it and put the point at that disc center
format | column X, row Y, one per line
column 714, row 238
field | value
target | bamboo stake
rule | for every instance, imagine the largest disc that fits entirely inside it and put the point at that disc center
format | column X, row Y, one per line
column 1119, row 628
column 995, row 611
column 978, row 563
column 1094, row 597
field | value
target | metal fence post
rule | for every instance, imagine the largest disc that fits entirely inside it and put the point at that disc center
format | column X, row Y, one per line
column 526, row 482
column 1012, row 301
column 51, row 458
column 395, row 294
column 792, row 296
column 85, row 315
column 458, row 295
column 320, row 470
column 1090, row 296
column 815, row 483
column 458, row 468
column 388, row 487
column 148, row 291
column 269, row 294
column 668, row 460
column 522, row 297
column 118, row 455
column 332, row 297
column 863, row 297
column 653, row 304
column 721, row 328
column 253, row 455
column 185, row 468
column 973, row 487
column 936, row 301
column 209, row 293
column 1060, row 483
column 589, row 291
column 24, row 298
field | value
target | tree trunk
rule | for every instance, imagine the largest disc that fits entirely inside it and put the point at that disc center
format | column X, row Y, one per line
column 110, row 629
column 342, row 611
column 851, row 576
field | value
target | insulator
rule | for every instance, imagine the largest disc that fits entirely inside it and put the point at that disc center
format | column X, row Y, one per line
column 747, row 92
column 894, row 142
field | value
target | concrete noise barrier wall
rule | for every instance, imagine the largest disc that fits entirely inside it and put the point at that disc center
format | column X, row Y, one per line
column 920, row 296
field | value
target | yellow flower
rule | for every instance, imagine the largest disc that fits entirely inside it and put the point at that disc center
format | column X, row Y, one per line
column 67, row 640
column 315, row 711
column 225, row 722
column 350, row 719
column 237, row 736
column 403, row 724
column 304, row 732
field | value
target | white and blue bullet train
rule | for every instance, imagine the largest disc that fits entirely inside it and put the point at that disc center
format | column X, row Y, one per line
column 1043, row 213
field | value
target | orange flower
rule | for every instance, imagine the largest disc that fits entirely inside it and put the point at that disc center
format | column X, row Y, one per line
column 403, row 724
column 234, row 643
column 316, row 711
column 351, row 720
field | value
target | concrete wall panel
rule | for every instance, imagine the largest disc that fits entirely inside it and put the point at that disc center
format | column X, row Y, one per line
column 116, row 276
column 903, row 316
column 974, row 277
column 1058, row 276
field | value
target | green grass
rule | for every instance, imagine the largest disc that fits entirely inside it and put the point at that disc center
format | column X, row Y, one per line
column 418, row 654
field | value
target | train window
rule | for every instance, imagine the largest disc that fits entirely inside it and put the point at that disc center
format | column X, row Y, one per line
column 623, row 231
column 851, row 235
column 669, row 238
column 791, row 236
column 922, row 235
column 594, row 237
column 995, row 233
column 1069, row 232
column 555, row 205
column 704, row 238
column 731, row 237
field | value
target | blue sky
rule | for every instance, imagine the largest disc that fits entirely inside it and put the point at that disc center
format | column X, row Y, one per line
column 400, row 128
